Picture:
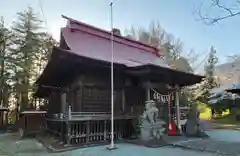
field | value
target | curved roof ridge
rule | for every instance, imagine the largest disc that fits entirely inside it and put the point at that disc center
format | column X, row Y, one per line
column 127, row 40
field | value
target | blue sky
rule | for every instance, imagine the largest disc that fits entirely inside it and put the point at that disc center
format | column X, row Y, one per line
column 175, row 16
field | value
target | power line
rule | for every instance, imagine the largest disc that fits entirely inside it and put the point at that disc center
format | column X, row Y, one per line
column 43, row 14
column 201, row 62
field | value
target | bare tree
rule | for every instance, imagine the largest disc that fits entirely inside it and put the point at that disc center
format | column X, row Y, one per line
column 171, row 47
column 233, row 58
column 213, row 11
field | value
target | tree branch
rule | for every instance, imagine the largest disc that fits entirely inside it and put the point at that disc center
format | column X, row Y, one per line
column 217, row 3
column 228, row 12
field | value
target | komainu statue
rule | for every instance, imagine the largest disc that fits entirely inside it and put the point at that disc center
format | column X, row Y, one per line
column 150, row 125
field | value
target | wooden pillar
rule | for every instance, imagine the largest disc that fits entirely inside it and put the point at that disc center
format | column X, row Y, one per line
column 177, row 107
column 123, row 100
column 69, row 112
column 63, row 102
column 80, row 99
column 6, row 118
column 88, row 131
column 148, row 94
column 69, row 131
column 147, row 86
column 1, row 118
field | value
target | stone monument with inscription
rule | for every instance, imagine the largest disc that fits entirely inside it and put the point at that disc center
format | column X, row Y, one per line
column 192, row 127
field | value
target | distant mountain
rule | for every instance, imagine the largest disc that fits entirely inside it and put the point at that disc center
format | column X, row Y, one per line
column 228, row 73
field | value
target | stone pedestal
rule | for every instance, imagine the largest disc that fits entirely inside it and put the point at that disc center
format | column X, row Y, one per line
column 145, row 133
column 191, row 127
column 148, row 132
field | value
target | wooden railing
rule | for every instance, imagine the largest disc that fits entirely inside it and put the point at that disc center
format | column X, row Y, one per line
column 90, row 127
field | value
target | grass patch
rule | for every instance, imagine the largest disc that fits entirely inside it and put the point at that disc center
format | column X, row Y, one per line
column 227, row 122
column 206, row 115
column 227, row 119
column 205, row 111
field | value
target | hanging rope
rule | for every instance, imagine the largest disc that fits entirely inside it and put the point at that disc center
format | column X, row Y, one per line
column 161, row 97
column 165, row 99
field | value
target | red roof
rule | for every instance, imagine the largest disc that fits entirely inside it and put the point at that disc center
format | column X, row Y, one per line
column 74, row 24
column 88, row 41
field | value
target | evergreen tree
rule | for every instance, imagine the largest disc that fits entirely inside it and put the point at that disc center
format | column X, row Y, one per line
column 45, row 49
column 210, row 81
column 5, row 42
column 27, row 39
column 24, row 52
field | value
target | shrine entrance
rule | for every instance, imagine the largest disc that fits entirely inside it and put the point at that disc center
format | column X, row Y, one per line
column 165, row 102
column 166, row 98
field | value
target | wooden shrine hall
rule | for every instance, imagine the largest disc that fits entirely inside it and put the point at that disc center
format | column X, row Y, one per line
column 77, row 84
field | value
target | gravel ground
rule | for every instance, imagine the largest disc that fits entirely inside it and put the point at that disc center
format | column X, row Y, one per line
column 11, row 145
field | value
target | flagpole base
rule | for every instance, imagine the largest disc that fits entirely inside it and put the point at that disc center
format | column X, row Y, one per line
column 111, row 147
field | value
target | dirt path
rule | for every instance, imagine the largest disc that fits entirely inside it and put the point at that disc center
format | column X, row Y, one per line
column 12, row 145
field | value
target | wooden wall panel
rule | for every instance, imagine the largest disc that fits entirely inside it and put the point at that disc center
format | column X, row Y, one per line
column 99, row 99
column 96, row 99
column 91, row 91
column 78, row 99
column 135, row 97
column 54, row 104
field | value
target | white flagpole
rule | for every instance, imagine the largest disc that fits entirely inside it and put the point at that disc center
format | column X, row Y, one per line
column 112, row 146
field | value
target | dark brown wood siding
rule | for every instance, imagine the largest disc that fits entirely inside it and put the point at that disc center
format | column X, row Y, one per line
column 135, row 97
column 96, row 99
column 91, row 91
column 54, row 102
